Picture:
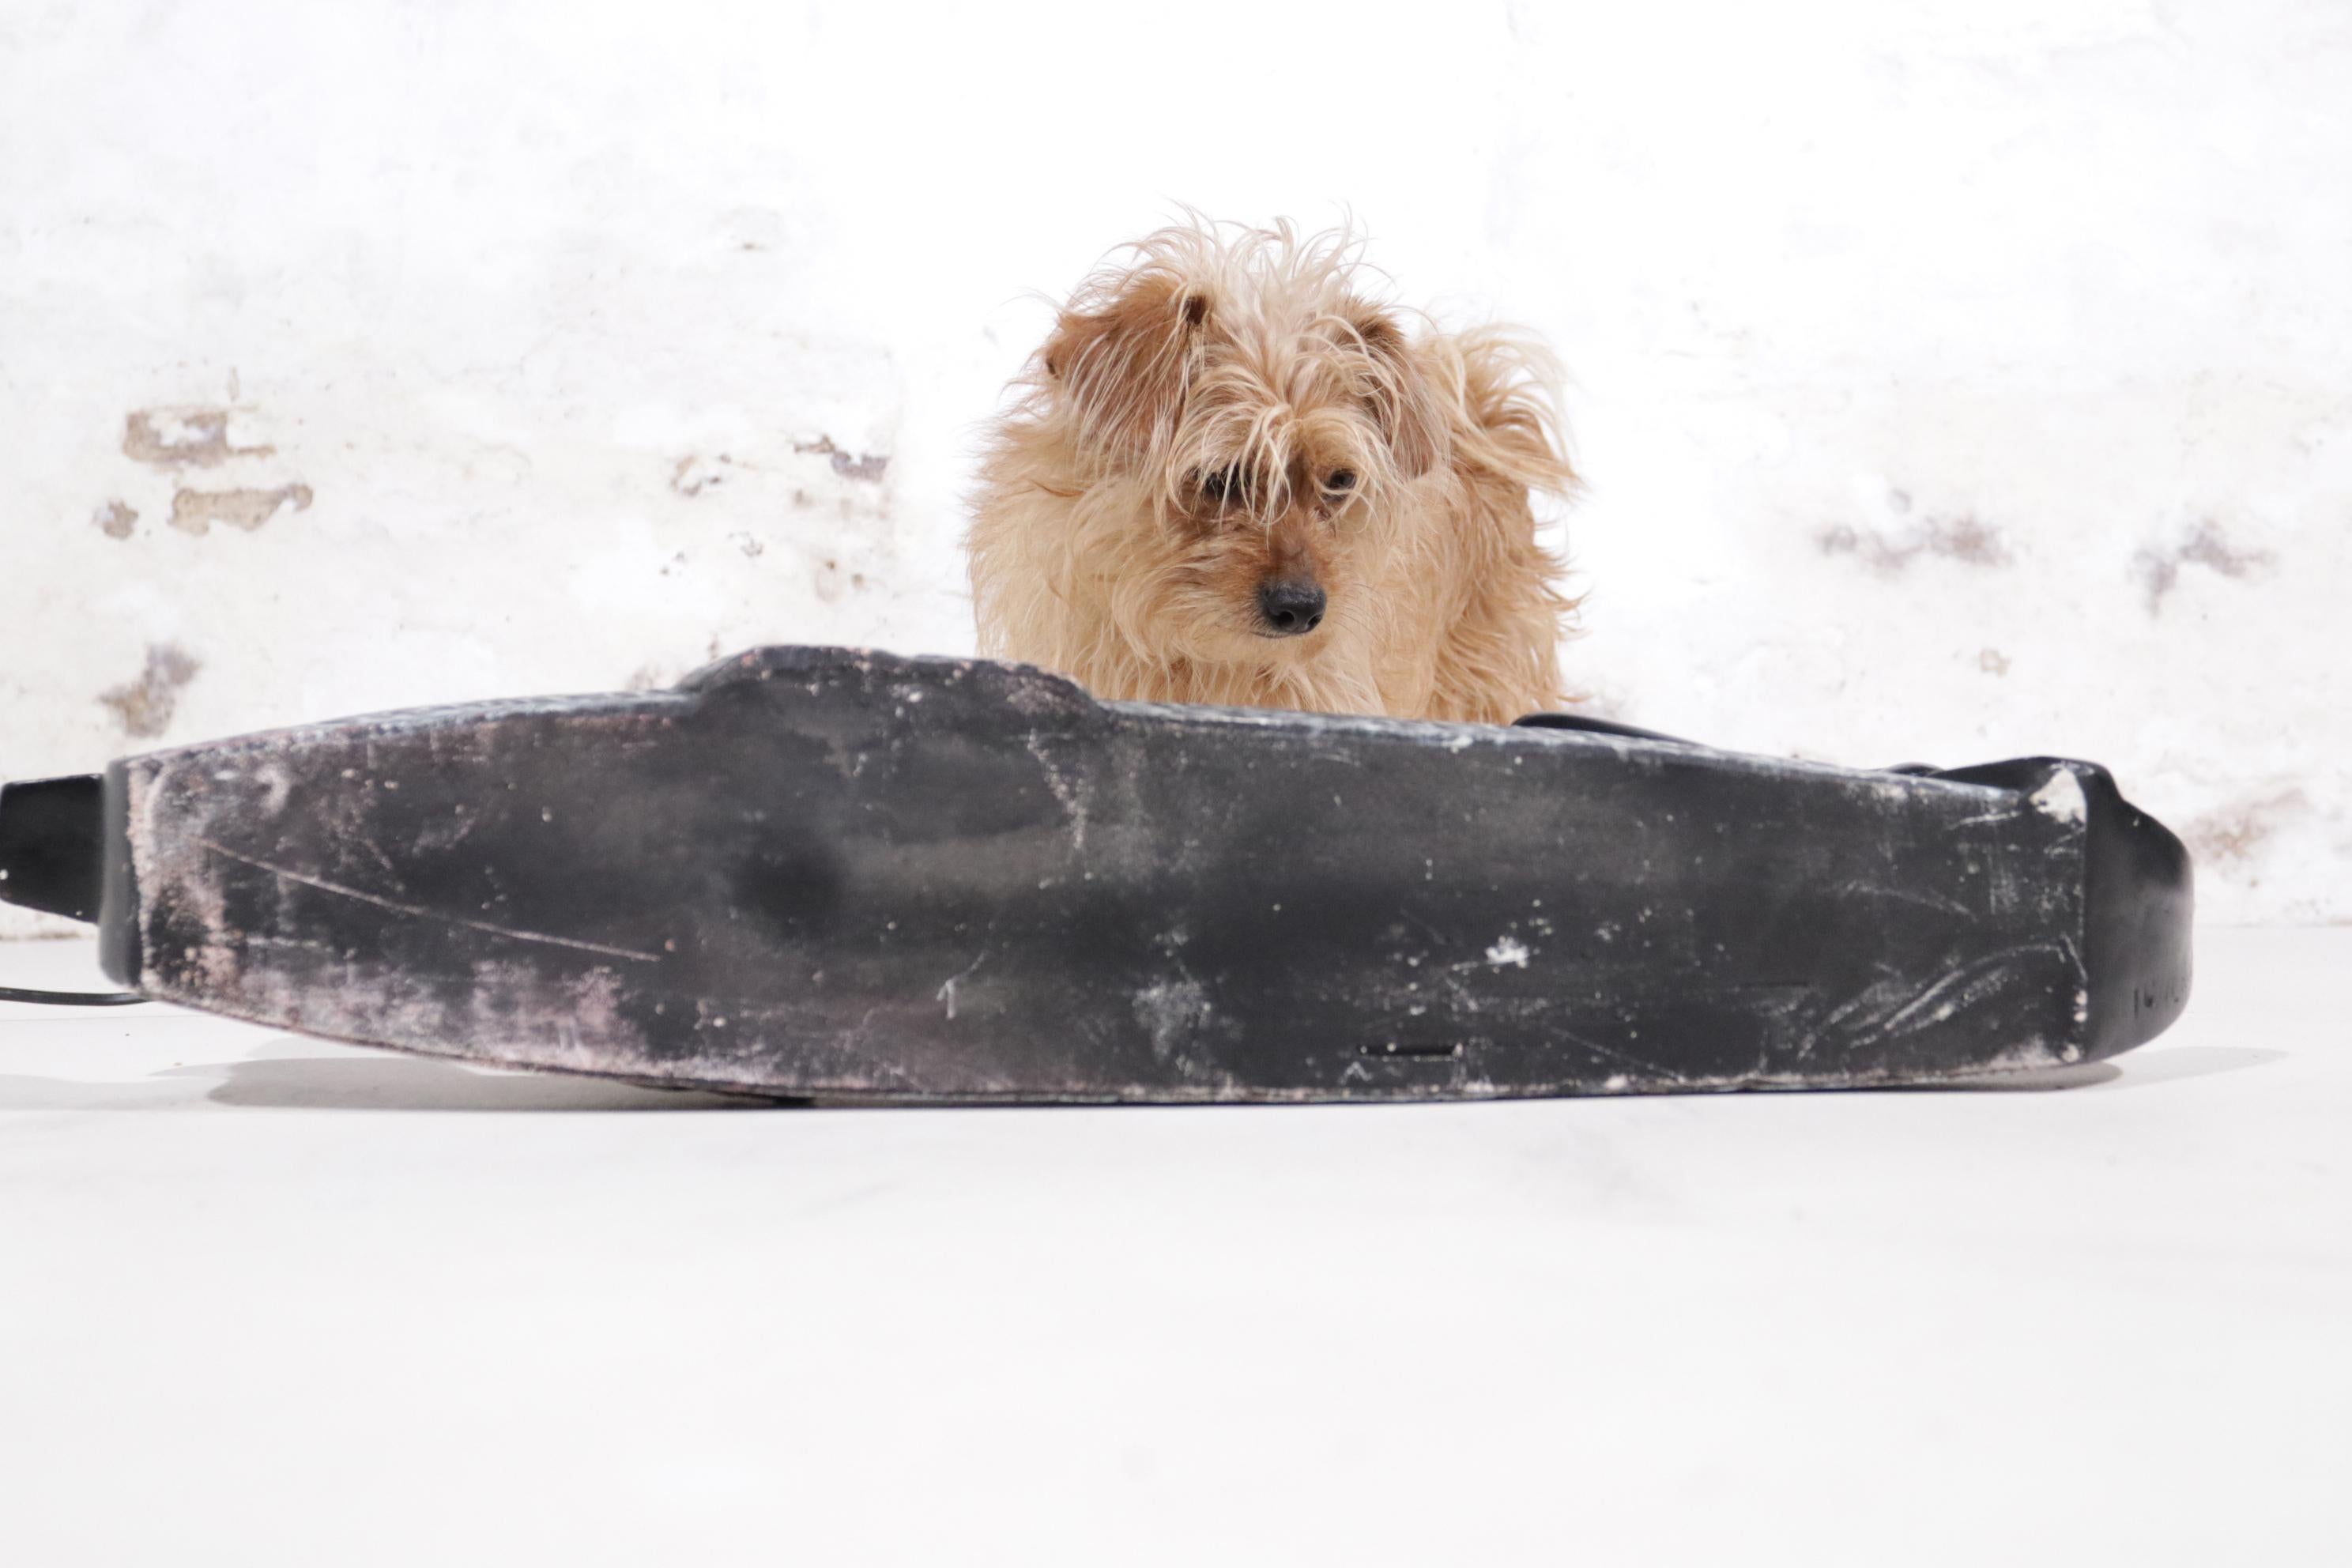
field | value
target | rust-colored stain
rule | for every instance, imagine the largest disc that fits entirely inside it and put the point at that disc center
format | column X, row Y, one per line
column 868, row 467
column 195, row 512
column 144, row 706
column 114, row 520
column 2203, row 544
column 2230, row 834
column 1963, row 539
column 181, row 437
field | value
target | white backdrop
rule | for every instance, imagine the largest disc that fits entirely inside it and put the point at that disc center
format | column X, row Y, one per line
column 1952, row 382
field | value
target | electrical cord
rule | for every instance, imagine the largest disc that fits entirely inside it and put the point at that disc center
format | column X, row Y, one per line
column 69, row 998
column 20, row 993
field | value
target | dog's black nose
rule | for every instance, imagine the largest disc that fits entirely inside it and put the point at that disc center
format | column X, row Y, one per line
column 1290, row 608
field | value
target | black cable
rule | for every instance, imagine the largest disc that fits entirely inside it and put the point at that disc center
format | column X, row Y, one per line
column 71, row 998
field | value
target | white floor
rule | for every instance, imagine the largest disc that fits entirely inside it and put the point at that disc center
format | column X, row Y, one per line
column 271, row 1300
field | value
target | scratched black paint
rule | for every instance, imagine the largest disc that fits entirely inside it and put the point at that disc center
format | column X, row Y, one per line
column 831, row 873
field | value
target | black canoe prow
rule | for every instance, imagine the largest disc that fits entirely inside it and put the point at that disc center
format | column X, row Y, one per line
column 831, row 873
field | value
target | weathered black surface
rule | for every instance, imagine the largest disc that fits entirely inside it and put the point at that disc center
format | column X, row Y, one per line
column 829, row 873
column 51, row 849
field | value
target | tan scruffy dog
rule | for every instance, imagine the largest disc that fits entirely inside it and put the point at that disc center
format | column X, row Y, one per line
column 1232, row 479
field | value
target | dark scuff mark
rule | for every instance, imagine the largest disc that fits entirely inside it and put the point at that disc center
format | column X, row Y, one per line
column 145, row 705
column 114, row 520
column 829, row 579
column 176, row 437
column 1963, row 539
column 694, row 473
column 2204, row 544
column 195, row 512
column 2230, row 834
column 868, row 467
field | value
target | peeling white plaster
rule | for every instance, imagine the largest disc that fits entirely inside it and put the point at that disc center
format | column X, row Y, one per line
column 2062, row 798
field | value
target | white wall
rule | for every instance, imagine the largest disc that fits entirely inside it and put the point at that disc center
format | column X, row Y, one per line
column 1953, row 382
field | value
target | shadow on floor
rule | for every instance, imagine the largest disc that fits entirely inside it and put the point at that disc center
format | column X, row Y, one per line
column 2140, row 1068
column 280, row 1079
column 421, row 1083
column 2132, row 1070
column 359, row 1082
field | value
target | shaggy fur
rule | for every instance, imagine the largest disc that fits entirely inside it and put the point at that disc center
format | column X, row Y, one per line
column 1232, row 478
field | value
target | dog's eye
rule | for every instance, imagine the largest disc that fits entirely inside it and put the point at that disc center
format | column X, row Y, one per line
column 1341, row 481
column 1220, row 485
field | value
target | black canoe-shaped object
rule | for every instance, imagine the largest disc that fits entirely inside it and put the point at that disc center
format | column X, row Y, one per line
column 817, row 872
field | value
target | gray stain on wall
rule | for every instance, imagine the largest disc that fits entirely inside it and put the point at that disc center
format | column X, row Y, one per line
column 1888, row 552
column 2201, row 544
column 695, row 474
column 145, row 705
column 2228, row 838
column 868, row 467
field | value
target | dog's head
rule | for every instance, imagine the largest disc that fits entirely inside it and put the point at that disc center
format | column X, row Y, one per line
column 1248, row 426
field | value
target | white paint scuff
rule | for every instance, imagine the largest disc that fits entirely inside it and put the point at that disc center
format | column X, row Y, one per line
column 2062, row 798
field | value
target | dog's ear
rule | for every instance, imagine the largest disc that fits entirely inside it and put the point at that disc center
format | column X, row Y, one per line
column 1125, row 367
column 1403, row 401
